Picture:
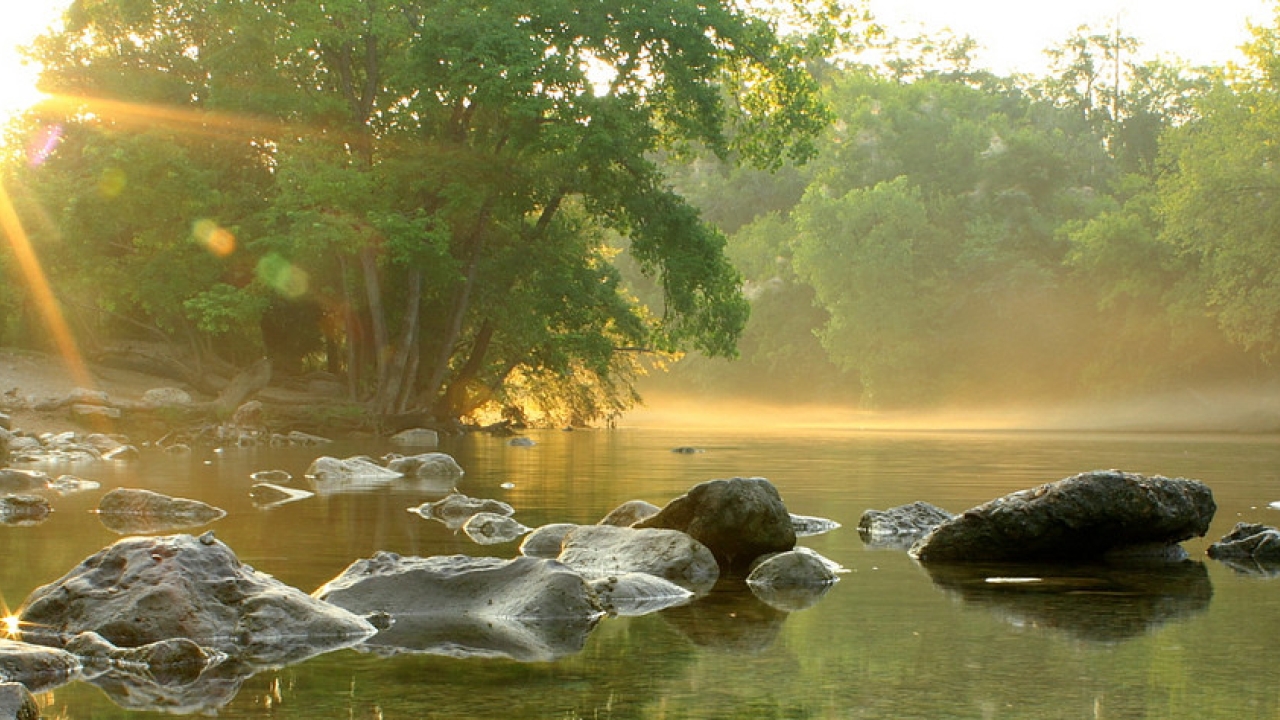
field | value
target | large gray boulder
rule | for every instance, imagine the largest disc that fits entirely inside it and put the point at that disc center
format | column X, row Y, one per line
column 1082, row 517
column 738, row 519
column 602, row 550
column 143, row 590
column 630, row 513
column 36, row 666
column 545, row 541
column 129, row 511
column 528, row 609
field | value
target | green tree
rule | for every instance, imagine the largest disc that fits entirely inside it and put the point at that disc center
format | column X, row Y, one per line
column 437, row 178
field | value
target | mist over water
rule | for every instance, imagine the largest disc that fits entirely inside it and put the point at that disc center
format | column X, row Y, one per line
column 1229, row 408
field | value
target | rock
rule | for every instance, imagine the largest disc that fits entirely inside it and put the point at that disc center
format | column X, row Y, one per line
column 6, row 422
column 738, row 519
column 166, row 397
column 269, row 495
column 297, row 438
column 65, row 484
column 351, row 473
column 16, row 480
column 634, row 594
column 416, row 437
column 899, row 527
column 809, row 526
column 492, row 529
column 603, row 550
column 434, row 466
column 521, row 442
column 794, row 580
column 23, row 509
column 455, row 509
column 271, row 476
column 131, row 510
column 630, row 513
column 1248, row 545
column 179, row 659
column 81, row 412
column 686, row 450
column 528, row 609
column 17, row 702
column 144, row 590
column 121, row 452
column 85, row 396
column 544, row 542
column 36, row 666
column 1078, row 518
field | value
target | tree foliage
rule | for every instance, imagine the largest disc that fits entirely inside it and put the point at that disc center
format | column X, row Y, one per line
column 430, row 186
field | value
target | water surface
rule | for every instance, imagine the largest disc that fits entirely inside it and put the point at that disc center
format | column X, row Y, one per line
column 890, row 640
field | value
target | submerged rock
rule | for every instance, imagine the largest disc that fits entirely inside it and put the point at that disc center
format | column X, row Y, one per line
column 130, row 511
column 36, row 666
column 427, row 466
column 144, row 590
column 455, row 509
column 527, row 609
column 738, row 519
column 20, row 481
column 1250, row 548
column 356, row 467
column 793, row 580
column 899, row 527
column 269, row 495
column 23, row 509
column 809, row 526
column 416, row 437
column 603, row 550
column 1078, row 518
column 634, row 594
column 492, row 529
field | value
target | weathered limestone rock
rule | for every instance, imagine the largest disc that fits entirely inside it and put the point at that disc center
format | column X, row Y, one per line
column 36, row 666
column 899, row 527
column 528, row 609
column 630, row 513
column 604, row 550
column 739, row 519
column 434, row 465
column 545, row 541
column 131, row 510
column 1078, row 518
column 144, row 590
column 416, row 437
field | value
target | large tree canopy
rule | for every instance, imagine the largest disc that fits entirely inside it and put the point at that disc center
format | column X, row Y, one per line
column 422, row 193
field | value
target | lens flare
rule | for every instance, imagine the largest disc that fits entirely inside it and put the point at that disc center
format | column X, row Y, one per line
column 11, row 626
column 216, row 239
column 283, row 276
column 43, row 143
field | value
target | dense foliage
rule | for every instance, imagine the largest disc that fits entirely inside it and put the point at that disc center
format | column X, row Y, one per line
column 451, row 206
column 421, row 196
column 960, row 237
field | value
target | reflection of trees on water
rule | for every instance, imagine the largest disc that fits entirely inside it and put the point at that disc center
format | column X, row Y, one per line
column 1103, row 603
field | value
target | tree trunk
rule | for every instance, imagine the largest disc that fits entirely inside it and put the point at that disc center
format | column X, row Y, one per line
column 390, row 391
column 455, row 401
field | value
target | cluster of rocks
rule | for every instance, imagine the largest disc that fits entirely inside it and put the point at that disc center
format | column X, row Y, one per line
column 176, row 622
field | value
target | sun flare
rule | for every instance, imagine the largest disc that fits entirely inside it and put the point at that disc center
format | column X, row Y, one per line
column 22, row 24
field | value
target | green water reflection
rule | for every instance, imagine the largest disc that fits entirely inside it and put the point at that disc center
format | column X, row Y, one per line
column 890, row 640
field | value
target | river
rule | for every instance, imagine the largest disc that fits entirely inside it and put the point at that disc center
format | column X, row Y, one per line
column 889, row 640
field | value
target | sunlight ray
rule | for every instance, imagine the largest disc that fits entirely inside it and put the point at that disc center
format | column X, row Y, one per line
column 33, row 273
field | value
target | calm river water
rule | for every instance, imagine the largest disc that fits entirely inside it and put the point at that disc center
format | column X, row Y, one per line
column 889, row 640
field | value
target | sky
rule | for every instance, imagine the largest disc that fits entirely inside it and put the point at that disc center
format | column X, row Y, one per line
column 1012, row 33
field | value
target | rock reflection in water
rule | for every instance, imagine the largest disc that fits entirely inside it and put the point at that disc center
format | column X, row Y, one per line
column 519, row 639
column 1102, row 603
column 729, row 618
